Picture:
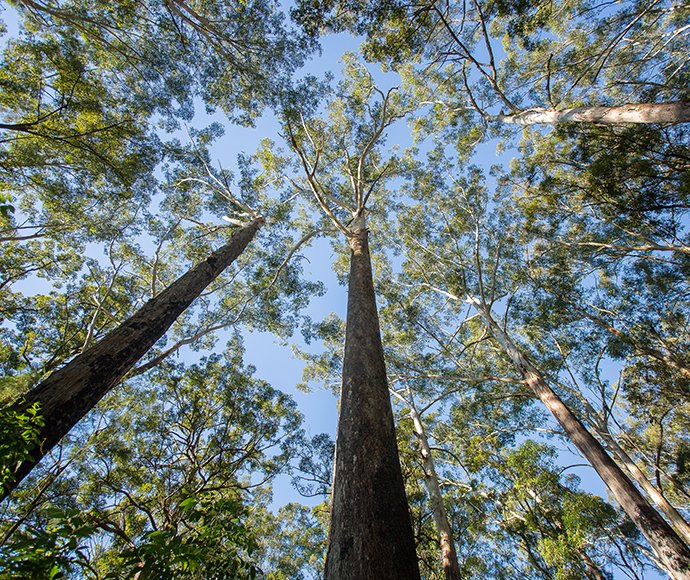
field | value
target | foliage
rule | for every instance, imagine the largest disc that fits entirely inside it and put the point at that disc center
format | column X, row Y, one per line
column 293, row 542
column 171, row 472
column 219, row 546
column 19, row 434
column 51, row 552
column 579, row 249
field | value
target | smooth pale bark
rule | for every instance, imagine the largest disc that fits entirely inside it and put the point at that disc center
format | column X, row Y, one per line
column 672, row 553
column 634, row 472
column 591, row 569
column 674, row 112
column 445, row 533
column 370, row 533
column 72, row 391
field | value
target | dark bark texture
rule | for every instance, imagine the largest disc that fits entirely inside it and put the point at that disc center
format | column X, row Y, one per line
column 72, row 391
column 370, row 534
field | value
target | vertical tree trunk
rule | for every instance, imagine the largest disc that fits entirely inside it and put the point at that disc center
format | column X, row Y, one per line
column 72, row 391
column 445, row 534
column 370, row 535
column 673, row 554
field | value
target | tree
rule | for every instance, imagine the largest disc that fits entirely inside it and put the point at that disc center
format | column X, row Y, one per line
column 69, row 393
column 369, row 532
column 169, row 484
column 623, row 221
column 466, row 211
column 582, row 250
column 445, row 532
column 673, row 554
column 368, row 493
column 676, row 112
column 93, row 130
column 561, row 59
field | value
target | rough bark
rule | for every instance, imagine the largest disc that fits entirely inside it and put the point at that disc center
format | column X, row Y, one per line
column 673, row 112
column 370, row 534
column 673, row 554
column 448, row 555
column 72, row 391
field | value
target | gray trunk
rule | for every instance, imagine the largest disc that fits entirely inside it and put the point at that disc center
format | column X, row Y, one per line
column 72, row 391
column 370, row 533
column 445, row 534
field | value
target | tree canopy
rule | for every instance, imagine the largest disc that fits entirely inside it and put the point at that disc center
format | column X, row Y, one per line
column 504, row 186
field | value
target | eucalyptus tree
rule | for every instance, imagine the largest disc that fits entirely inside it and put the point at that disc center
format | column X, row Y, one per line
column 623, row 222
column 445, row 533
column 88, row 89
column 258, row 292
column 166, row 482
column 73, row 390
column 342, row 171
column 85, row 87
column 474, row 268
column 444, row 361
column 542, row 62
column 559, row 530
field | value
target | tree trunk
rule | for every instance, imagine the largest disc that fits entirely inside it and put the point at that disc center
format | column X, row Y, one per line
column 72, row 391
column 445, row 533
column 591, row 569
column 673, row 554
column 674, row 112
column 370, row 534
column 636, row 474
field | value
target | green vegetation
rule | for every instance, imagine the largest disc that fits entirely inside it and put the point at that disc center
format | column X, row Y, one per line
column 532, row 304
column 20, row 434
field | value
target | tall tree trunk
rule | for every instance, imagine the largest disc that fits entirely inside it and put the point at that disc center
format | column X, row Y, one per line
column 636, row 474
column 449, row 557
column 673, row 554
column 72, row 391
column 370, row 534
column 673, row 112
